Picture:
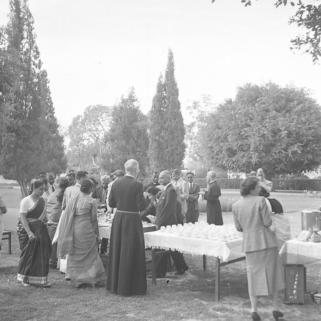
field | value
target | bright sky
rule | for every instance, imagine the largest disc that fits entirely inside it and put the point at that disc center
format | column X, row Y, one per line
column 94, row 51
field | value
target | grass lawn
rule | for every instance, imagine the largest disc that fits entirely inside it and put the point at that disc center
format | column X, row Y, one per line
column 189, row 297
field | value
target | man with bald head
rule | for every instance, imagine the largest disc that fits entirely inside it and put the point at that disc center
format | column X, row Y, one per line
column 167, row 214
column 126, row 269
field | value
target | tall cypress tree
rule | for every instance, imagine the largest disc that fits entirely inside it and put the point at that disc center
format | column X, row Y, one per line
column 31, row 126
column 157, row 131
column 174, row 124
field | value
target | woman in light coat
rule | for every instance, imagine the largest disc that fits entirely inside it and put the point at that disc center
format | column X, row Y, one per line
column 264, row 267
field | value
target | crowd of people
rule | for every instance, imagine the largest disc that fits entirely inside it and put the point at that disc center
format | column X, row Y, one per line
column 58, row 227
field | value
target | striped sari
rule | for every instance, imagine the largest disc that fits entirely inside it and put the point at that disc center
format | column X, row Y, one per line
column 35, row 253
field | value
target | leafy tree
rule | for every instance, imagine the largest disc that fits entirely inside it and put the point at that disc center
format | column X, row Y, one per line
column 196, row 114
column 86, row 137
column 265, row 126
column 127, row 137
column 307, row 17
column 30, row 142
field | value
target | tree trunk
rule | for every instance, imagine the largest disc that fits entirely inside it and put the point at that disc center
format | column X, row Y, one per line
column 23, row 188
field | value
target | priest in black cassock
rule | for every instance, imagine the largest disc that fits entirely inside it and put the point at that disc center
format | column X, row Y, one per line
column 126, row 268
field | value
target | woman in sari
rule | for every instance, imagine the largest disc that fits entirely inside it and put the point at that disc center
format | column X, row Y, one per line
column 78, row 239
column 33, row 237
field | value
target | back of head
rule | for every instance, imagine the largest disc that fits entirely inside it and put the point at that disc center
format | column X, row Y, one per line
column 211, row 175
column 132, row 167
column 86, row 186
column 165, row 177
column 248, row 185
column 63, row 183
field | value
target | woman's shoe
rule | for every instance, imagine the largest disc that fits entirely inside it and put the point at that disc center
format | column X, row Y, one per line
column 277, row 315
column 255, row 316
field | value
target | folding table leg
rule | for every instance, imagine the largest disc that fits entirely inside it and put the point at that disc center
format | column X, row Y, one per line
column 153, row 267
column 204, row 262
column 217, row 280
column 9, row 243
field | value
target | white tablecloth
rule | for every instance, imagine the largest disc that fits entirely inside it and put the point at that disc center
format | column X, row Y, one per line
column 226, row 251
column 105, row 228
column 299, row 252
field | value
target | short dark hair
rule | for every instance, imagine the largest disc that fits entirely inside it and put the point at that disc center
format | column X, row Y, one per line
column 81, row 174
column 86, row 186
column 264, row 192
column 153, row 190
column 36, row 183
column 248, row 185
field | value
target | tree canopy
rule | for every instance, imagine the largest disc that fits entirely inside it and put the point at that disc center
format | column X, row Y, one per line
column 265, row 126
column 30, row 139
column 308, row 18
column 167, row 131
column 86, row 137
column 127, row 137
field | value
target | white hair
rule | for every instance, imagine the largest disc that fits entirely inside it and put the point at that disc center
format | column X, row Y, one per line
column 165, row 173
column 211, row 175
column 132, row 167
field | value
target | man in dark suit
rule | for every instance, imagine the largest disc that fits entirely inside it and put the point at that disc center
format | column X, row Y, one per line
column 126, row 269
column 192, row 213
column 166, row 214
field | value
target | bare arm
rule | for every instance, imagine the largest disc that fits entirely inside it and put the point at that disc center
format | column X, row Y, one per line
column 24, row 221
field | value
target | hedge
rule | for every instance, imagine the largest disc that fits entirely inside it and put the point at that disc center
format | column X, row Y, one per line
column 295, row 184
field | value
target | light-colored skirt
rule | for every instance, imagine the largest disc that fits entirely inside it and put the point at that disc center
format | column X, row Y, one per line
column 84, row 265
column 265, row 273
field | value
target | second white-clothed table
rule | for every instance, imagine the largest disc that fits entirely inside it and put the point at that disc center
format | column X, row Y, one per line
column 221, row 242
column 300, row 252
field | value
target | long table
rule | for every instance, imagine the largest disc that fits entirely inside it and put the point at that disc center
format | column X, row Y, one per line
column 223, row 252
column 105, row 229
